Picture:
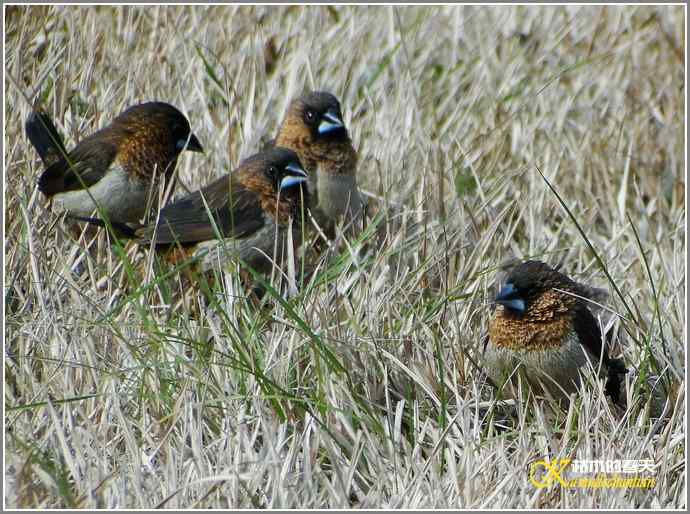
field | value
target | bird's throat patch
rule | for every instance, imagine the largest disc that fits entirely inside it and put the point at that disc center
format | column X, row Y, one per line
column 519, row 334
column 546, row 324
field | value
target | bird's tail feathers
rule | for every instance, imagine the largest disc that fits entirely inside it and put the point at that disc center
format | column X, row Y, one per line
column 616, row 370
column 45, row 138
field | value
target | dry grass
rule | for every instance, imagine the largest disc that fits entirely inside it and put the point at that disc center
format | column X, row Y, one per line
column 358, row 391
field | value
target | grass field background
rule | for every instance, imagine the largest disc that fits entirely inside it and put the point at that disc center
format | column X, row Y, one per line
column 125, row 386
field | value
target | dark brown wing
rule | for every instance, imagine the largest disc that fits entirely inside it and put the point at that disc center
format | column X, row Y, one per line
column 235, row 211
column 588, row 332
column 83, row 166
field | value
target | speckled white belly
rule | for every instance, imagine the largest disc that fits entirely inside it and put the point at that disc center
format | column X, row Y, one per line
column 117, row 194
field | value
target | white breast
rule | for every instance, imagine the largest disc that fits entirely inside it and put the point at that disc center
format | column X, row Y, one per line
column 119, row 196
column 558, row 369
column 337, row 195
column 258, row 250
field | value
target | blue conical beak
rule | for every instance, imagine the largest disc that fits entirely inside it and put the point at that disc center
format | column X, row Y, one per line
column 297, row 176
column 330, row 121
column 296, row 169
column 509, row 297
column 290, row 181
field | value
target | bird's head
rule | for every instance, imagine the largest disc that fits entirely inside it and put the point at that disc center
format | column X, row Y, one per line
column 275, row 173
column 314, row 117
column 526, row 284
column 161, row 118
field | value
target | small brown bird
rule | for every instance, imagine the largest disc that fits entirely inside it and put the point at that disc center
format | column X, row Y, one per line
column 548, row 334
column 313, row 127
column 114, row 168
column 250, row 209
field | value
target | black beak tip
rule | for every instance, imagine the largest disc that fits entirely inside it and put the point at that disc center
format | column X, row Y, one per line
column 194, row 145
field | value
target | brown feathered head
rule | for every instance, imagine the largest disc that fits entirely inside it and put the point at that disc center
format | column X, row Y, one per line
column 315, row 116
column 163, row 116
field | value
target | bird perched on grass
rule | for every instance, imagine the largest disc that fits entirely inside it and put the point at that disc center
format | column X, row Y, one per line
column 313, row 127
column 115, row 168
column 242, row 215
column 543, row 328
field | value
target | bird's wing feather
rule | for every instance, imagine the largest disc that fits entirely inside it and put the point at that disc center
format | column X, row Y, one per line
column 188, row 220
column 83, row 167
column 588, row 332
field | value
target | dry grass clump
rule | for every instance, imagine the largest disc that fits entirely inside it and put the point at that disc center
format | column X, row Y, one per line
column 127, row 387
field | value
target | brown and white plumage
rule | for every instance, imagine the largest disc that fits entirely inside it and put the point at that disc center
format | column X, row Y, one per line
column 313, row 127
column 542, row 330
column 114, row 168
column 242, row 215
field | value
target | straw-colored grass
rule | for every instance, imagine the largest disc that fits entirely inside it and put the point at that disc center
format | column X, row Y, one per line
column 125, row 386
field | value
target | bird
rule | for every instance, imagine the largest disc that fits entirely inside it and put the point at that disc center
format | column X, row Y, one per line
column 313, row 127
column 113, row 169
column 543, row 327
column 242, row 215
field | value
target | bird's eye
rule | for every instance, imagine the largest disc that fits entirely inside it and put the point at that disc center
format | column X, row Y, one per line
column 272, row 170
column 310, row 114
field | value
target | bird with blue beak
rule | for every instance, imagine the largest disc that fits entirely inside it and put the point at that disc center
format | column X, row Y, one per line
column 251, row 210
column 314, row 128
column 243, row 216
column 113, row 170
column 543, row 331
